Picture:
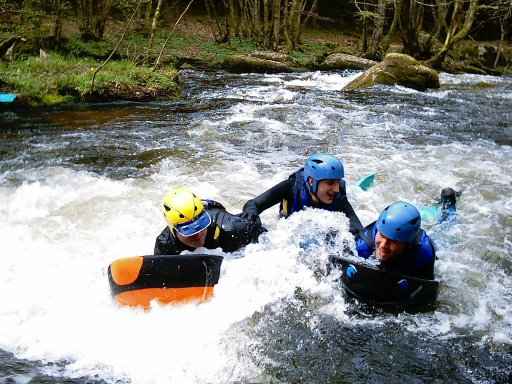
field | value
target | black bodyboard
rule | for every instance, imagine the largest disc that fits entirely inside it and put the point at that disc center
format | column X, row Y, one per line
column 384, row 289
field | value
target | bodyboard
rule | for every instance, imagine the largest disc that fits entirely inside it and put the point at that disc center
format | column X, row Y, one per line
column 377, row 287
column 136, row 281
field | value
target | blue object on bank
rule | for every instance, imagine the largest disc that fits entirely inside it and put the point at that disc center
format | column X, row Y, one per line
column 7, row 97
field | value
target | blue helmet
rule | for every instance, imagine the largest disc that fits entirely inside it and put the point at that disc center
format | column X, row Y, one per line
column 321, row 166
column 400, row 221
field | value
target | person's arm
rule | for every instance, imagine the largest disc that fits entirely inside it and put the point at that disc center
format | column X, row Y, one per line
column 427, row 272
column 426, row 257
column 252, row 208
column 236, row 232
column 354, row 223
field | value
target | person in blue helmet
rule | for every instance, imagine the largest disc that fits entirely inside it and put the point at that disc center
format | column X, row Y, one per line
column 398, row 242
column 319, row 184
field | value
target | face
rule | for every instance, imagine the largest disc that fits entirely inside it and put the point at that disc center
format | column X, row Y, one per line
column 194, row 241
column 388, row 249
column 327, row 190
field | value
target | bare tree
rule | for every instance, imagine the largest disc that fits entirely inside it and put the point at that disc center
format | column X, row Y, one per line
column 503, row 11
column 374, row 13
column 154, row 26
column 268, row 23
column 411, row 22
column 93, row 16
column 458, row 29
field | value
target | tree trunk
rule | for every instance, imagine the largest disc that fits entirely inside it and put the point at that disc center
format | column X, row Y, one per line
column 312, row 11
column 286, row 27
column 374, row 51
column 220, row 32
column 57, row 29
column 154, row 27
column 93, row 16
column 365, row 27
column 411, row 19
column 439, row 14
column 452, row 35
column 504, row 29
column 294, row 24
column 267, row 31
column 396, row 19
column 147, row 18
column 276, row 25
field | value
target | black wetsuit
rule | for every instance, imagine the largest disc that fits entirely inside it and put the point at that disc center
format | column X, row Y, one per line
column 226, row 231
column 288, row 193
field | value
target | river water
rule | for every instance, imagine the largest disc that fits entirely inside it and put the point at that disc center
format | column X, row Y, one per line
column 81, row 187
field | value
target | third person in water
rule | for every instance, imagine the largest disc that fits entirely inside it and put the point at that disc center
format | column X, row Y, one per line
column 398, row 242
column 319, row 184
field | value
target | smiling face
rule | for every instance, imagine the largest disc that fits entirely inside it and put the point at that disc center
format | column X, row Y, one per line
column 327, row 191
column 194, row 241
column 387, row 249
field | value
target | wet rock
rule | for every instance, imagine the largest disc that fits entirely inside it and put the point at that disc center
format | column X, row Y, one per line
column 399, row 69
column 256, row 64
column 344, row 61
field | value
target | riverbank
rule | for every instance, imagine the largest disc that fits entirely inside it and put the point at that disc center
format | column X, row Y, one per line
column 65, row 75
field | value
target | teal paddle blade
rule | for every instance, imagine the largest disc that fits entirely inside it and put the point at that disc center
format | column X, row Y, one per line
column 366, row 182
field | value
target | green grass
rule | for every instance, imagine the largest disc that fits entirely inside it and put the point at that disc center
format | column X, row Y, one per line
column 48, row 80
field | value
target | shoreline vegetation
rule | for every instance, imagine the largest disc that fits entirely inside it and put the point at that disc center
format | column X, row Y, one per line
column 127, row 63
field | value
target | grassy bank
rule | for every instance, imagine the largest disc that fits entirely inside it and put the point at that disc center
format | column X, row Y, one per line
column 55, row 79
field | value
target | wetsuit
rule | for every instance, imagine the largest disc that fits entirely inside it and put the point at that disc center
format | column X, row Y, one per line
column 293, row 196
column 226, row 231
column 417, row 260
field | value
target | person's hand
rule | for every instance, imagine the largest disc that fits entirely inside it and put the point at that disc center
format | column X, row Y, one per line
column 251, row 215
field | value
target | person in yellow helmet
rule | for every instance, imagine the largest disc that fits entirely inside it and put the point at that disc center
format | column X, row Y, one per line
column 193, row 223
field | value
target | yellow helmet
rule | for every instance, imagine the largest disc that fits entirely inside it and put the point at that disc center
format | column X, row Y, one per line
column 185, row 212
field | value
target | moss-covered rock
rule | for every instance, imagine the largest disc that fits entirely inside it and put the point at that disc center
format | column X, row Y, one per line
column 478, row 57
column 400, row 69
column 344, row 61
column 252, row 64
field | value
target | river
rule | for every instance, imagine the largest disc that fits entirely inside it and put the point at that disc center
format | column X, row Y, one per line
column 81, row 187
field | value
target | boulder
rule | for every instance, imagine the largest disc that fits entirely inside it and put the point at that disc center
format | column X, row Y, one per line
column 400, row 69
column 256, row 64
column 344, row 61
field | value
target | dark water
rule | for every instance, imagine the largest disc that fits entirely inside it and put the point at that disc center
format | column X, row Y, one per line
column 81, row 186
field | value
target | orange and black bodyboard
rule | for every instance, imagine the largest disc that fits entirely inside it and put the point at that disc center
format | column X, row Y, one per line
column 136, row 281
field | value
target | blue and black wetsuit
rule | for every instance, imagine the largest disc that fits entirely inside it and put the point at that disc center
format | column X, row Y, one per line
column 226, row 231
column 292, row 194
column 418, row 259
